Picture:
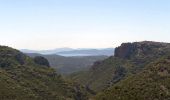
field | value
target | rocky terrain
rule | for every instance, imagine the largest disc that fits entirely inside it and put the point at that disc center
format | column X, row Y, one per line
column 137, row 71
column 144, row 65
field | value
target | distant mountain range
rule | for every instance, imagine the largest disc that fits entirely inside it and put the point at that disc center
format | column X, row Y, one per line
column 54, row 51
column 74, row 52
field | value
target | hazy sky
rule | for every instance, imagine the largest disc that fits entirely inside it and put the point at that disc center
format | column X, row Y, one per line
column 48, row 24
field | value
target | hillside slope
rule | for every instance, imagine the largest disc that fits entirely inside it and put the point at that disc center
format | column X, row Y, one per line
column 23, row 79
column 129, row 59
column 151, row 84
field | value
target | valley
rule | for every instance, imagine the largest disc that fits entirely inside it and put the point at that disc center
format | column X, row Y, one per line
column 136, row 71
column 68, row 65
column 84, row 50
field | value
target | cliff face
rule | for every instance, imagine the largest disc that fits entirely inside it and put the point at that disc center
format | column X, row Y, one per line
column 125, row 50
column 141, row 49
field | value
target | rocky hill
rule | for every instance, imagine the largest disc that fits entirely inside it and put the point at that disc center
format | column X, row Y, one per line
column 139, row 50
column 129, row 59
column 24, row 78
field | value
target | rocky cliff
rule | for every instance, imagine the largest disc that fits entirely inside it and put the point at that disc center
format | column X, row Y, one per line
column 141, row 49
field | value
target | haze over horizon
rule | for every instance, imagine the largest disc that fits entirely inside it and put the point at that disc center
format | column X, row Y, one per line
column 43, row 25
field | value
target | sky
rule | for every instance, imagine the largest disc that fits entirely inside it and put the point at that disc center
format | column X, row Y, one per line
column 49, row 24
